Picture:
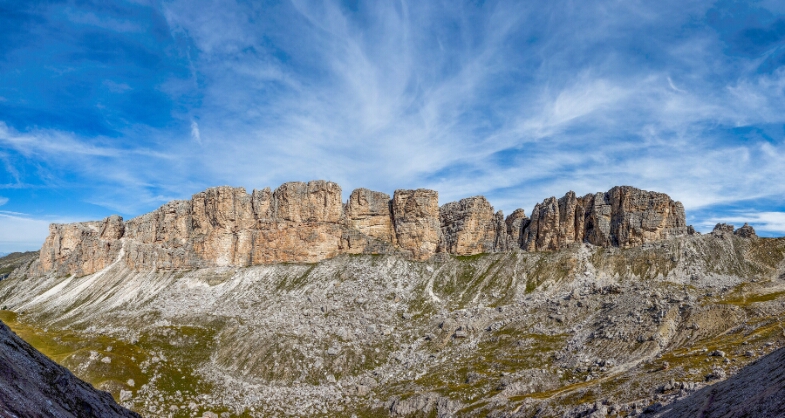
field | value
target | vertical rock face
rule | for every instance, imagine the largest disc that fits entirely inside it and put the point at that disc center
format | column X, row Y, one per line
column 542, row 233
column 302, row 224
column 315, row 201
column 369, row 213
column 81, row 248
column 307, row 222
column 223, row 221
column 572, row 219
column 515, row 224
column 416, row 222
column 261, row 201
column 469, row 226
column 622, row 217
column 161, row 239
column 369, row 223
column 640, row 216
column 598, row 219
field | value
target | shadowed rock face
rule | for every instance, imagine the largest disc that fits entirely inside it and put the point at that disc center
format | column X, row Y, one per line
column 622, row 217
column 307, row 222
column 32, row 385
column 755, row 391
column 515, row 224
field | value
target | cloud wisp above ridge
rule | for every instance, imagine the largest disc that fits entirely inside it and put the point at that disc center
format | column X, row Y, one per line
column 517, row 102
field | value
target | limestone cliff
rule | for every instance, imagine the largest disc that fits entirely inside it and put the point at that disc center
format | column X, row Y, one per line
column 308, row 222
column 622, row 217
column 416, row 221
column 470, row 226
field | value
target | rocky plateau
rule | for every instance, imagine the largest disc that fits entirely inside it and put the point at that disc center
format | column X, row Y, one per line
column 294, row 303
column 307, row 222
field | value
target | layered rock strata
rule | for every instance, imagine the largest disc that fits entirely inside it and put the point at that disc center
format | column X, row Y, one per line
column 308, row 222
column 415, row 215
column 622, row 217
column 470, row 226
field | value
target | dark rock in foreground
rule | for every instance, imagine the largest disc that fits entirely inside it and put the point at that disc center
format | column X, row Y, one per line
column 757, row 390
column 32, row 385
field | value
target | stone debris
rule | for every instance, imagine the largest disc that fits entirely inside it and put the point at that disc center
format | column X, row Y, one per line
column 348, row 334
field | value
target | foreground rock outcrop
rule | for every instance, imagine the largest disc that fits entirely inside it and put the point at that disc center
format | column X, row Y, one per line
column 308, row 222
column 755, row 391
column 32, row 385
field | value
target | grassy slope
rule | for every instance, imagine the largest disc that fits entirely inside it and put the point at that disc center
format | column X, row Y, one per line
column 489, row 281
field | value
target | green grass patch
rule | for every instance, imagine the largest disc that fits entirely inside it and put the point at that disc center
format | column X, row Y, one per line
column 746, row 300
column 179, row 349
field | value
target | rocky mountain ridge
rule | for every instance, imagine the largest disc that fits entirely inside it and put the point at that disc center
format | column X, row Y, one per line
column 308, row 222
column 586, row 330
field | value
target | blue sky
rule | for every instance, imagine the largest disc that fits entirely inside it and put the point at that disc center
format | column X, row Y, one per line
column 118, row 107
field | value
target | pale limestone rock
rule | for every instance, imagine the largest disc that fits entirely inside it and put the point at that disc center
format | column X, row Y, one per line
column 572, row 218
column 222, row 219
column 641, row 216
column 369, row 213
column 170, row 224
column 722, row 228
column 316, row 201
column 416, row 222
column 307, row 222
column 291, row 242
column 113, row 228
column 81, row 248
column 501, row 240
column 261, row 200
column 746, row 231
column 542, row 233
column 598, row 220
column 305, row 226
column 161, row 239
column 622, row 217
column 369, row 224
column 468, row 226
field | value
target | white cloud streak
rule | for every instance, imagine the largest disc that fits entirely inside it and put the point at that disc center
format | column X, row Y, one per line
column 768, row 223
column 503, row 100
column 19, row 232
column 394, row 111
column 195, row 132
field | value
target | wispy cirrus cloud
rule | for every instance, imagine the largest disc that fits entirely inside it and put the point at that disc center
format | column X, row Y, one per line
column 21, row 232
column 516, row 102
column 766, row 222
